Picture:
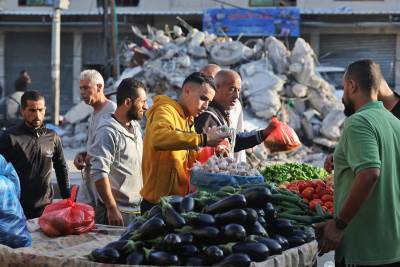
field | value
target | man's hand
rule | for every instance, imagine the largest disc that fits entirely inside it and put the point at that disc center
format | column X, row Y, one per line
column 114, row 216
column 328, row 236
column 328, row 164
column 80, row 160
column 215, row 136
column 269, row 129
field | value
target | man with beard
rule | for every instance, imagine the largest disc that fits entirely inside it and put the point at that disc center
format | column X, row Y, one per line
column 116, row 156
column 366, row 178
column 34, row 150
column 228, row 86
column 91, row 86
column 390, row 100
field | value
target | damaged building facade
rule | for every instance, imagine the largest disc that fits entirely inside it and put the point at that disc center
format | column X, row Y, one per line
column 338, row 31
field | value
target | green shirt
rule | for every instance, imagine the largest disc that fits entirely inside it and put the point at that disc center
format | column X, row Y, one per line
column 370, row 139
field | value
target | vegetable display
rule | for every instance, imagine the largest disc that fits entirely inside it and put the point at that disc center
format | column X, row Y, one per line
column 231, row 227
column 288, row 172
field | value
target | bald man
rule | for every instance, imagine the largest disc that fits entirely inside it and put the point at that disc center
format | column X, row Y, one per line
column 211, row 70
column 236, row 113
column 228, row 86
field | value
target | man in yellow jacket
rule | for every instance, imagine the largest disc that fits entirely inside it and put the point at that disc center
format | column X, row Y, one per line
column 171, row 142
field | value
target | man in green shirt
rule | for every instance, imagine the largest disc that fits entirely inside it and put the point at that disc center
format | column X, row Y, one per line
column 366, row 228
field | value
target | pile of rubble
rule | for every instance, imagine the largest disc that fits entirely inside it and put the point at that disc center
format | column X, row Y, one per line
column 275, row 80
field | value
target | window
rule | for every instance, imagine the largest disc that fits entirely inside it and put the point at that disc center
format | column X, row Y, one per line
column 120, row 3
column 35, row 2
column 271, row 3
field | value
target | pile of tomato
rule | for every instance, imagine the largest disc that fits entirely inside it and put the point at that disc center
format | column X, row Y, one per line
column 313, row 192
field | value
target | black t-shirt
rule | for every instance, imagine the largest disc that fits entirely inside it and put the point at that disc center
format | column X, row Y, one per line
column 396, row 110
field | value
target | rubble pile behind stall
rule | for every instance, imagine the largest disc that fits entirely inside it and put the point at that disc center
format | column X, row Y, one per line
column 275, row 80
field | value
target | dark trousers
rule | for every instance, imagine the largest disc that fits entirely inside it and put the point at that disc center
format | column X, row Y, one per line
column 343, row 264
column 145, row 206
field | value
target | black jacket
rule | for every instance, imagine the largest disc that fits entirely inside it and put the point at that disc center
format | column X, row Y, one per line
column 216, row 116
column 32, row 153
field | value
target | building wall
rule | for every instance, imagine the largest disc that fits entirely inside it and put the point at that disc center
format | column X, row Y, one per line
column 389, row 6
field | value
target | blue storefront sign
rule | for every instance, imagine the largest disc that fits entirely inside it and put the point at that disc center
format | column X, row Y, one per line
column 252, row 22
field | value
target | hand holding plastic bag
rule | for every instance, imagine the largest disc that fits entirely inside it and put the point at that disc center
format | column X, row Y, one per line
column 67, row 217
column 281, row 138
column 13, row 230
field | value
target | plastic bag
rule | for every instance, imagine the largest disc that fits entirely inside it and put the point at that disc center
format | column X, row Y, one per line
column 67, row 217
column 207, row 152
column 13, row 230
column 282, row 138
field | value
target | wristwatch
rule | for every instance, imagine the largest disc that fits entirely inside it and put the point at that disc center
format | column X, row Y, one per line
column 340, row 224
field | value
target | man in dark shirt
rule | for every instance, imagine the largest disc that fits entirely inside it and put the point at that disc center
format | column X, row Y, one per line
column 33, row 149
column 23, row 81
column 228, row 84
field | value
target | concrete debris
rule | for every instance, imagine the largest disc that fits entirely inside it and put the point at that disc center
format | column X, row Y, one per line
column 275, row 79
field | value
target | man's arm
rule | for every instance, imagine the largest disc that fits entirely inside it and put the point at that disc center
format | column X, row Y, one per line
column 114, row 216
column 167, row 137
column 362, row 187
column 102, row 154
column 60, row 167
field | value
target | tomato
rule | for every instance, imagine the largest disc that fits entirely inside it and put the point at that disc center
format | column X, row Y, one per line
column 310, row 184
column 326, row 198
column 318, row 182
column 307, row 193
column 329, row 190
column 302, row 185
column 320, row 191
column 328, row 204
column 313, row 203
column 315, row 196
column 331, row 211
column 293, row 188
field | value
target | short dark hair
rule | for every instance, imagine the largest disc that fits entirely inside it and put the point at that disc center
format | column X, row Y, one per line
column 22, row 72
column 30, row 95
column 366, row 73
column 128, row 88
column 199, row 78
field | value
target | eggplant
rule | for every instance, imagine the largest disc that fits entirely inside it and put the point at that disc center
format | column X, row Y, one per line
column 270, row 212
column 105, row 255
column 262, row 221
column 257, row 229
column 251, row 216
column 172, row 242
column 257, row 196
column 233, row 216
column 187, row 204
column 235, row 260
column 274, row 247
column 189, row 250
column 256, row 251
column 212, row 254
column 132, row 226
column 154, row 211
column 234, row 232
column 298, row 232
column 152, row 228
column 225, row 204
column 282, row 227
column 260, row 212
column 135, row 258
column 199, row 220
column 162, row 258
column 187, row 238
column 208, row 234
column 175, row 202
column 172, row 218
column 295, row 241
column 282, row 241
column 194, row 261
column 124, row 247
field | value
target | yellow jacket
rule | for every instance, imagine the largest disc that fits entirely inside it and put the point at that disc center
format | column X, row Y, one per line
column 169, row 150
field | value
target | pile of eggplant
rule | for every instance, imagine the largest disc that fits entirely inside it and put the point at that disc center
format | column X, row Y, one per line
column 228, row 228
